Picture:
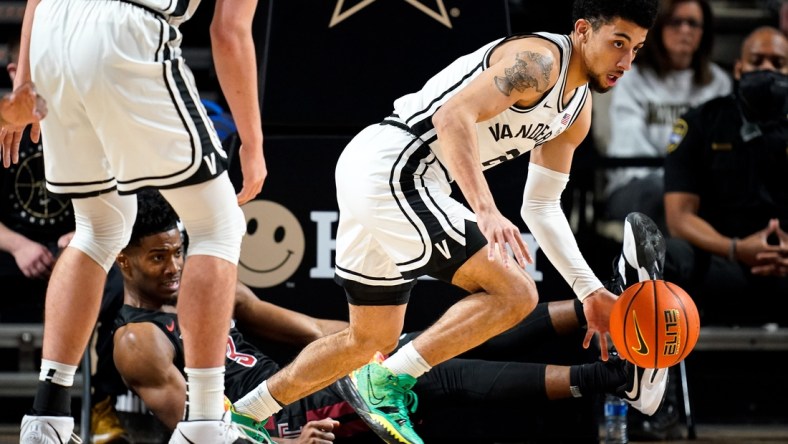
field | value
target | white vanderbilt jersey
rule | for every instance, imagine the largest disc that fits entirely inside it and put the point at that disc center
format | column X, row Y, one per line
column 397, row 219
column 509, row 134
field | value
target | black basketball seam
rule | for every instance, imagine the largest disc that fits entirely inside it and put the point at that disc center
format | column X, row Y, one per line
column 685, row 351
column 657, row 336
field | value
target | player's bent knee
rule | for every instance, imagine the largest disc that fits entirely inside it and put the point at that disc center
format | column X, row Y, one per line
column 103, row 226
column 515, row 306
column 367, row 345
column 218, row 234
column 213, row 220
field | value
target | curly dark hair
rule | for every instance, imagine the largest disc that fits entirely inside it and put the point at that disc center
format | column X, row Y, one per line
column 655, row 56
column 602, row 12
column 154, row 215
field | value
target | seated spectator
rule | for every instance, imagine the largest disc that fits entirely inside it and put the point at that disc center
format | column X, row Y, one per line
column 726, row 193
column 148, row 351
column 672, row 72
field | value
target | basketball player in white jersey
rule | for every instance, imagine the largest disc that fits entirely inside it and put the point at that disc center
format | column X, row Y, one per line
column 124, row 114
column 518, row 95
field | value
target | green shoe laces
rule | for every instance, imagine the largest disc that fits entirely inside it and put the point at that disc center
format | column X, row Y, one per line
column 402, row 396
column 253, row 429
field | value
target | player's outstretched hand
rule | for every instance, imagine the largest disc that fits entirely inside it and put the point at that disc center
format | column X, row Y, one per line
column 318, row 432
column 597, row 307
column 254, row 172
column 500, row 232
column 18, row 109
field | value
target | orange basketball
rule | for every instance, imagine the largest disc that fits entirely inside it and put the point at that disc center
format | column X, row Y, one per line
column 654, row 324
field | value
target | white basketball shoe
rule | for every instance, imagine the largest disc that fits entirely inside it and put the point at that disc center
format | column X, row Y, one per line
column 48, row 430
column 209, row 432
column 642, row 258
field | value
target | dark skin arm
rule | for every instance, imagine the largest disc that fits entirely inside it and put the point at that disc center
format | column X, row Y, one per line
column 681, row 215
column 144, row 358
column 271, row 322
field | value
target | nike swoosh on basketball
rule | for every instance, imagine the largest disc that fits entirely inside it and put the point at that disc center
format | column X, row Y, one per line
column 643, row 348
column 171, row 326
column 634, row 393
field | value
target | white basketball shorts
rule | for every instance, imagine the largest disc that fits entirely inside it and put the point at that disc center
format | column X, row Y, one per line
column 397, row 220
column 123, row 107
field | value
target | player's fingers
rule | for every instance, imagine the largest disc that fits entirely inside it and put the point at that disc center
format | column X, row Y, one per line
column 495, row 240
column 505, row 246
column 5, row 145
column 517, row 251
column 603, row 346
column 8, row 154
column 524, row 257
column 35, row 132
column 588, row 338
column 243, row 196
column 17, row 139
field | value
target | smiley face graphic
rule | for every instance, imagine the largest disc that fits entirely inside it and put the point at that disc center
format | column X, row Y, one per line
column 273, row 246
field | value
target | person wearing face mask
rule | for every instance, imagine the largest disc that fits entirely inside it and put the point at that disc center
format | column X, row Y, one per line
column 672, row 73
column 726, row 199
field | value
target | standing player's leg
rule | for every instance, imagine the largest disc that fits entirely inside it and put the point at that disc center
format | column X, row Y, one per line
column 372, row 327
column 398, row 195
column 381, row 392
column 215, row 226
column 72, row 304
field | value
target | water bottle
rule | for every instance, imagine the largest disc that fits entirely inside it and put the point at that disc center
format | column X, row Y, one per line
column 615, row 420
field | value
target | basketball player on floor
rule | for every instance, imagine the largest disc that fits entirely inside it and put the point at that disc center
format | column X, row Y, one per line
column 148, row 349
column 124, row 114
column 516, row 95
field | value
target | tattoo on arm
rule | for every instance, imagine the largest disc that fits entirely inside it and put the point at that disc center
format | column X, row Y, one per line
column 530, row 70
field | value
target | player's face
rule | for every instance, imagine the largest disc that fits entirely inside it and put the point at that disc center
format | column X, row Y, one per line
column 609, row 51
column 155, row 267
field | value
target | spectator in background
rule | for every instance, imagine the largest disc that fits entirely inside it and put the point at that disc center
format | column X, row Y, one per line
column 726, row 192
column 673, row 72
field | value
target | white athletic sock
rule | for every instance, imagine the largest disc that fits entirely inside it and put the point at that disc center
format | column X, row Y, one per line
column 407, row 360
column 57, row 373
column 204, row 393
column 259, row 404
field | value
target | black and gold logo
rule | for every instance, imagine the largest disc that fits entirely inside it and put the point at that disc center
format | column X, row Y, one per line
column 31, row 198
